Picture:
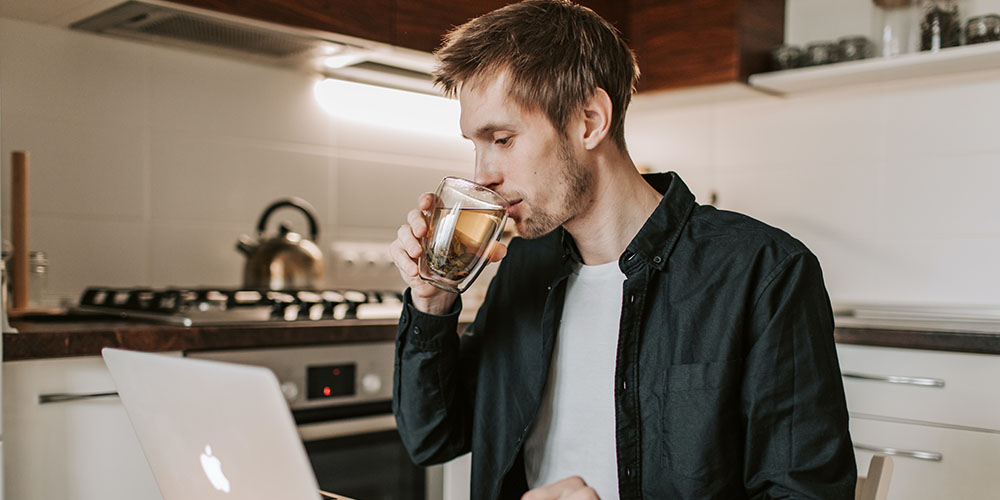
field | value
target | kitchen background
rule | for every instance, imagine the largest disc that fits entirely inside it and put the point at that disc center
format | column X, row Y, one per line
column 148, row 163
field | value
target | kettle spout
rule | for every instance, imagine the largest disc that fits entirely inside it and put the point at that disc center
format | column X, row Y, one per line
column 247, row 245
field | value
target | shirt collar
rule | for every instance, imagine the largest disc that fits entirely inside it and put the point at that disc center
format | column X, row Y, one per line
column 657, row 238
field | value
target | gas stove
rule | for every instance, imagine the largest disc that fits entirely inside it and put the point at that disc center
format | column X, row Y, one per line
column 204, row 306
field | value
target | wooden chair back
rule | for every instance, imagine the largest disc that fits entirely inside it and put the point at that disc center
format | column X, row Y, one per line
column 875, row 484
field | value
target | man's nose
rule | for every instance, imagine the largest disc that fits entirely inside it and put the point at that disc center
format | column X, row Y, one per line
column 486, row 172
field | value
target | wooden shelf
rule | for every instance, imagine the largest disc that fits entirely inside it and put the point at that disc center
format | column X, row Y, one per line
column 948, row 61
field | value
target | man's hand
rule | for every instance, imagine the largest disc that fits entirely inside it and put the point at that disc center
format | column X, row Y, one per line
column 571, row 488
column 406, row 252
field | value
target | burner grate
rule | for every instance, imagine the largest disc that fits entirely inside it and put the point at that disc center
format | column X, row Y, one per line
column 189, row 306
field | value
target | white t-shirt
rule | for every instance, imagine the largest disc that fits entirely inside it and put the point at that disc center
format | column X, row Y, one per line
column 574, row 434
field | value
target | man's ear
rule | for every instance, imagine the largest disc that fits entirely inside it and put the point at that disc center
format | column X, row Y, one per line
column 596, row 118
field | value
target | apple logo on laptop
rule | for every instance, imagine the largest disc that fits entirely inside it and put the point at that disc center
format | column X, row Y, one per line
column 213, row 469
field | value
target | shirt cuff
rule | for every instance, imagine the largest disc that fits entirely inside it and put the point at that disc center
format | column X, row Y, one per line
column 426, row 329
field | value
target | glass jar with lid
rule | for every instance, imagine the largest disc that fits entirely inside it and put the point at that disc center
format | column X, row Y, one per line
column 38, row 278
column 940, row 24
column 982, row 29
column 894, row 26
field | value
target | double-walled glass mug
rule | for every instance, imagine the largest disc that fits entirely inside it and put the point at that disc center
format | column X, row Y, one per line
column 464, row 222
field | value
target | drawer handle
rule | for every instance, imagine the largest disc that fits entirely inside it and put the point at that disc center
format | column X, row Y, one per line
column 896, row 379
column 922, row 455
column 64, row 398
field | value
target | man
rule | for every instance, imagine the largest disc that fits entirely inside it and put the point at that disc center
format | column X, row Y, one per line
column 633, row 344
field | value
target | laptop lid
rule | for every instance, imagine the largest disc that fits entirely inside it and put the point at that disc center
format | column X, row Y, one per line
column 212, row 430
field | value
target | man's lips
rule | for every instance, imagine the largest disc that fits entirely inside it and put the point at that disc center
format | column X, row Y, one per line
column 513, row 208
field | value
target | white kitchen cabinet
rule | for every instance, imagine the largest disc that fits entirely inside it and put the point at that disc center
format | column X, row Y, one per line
column 967, row 468
column 966, row 395
column 82, row 449
column 936, row 412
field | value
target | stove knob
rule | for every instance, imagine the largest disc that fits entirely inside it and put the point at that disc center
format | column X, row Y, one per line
column 371, row 383
column 290, row 390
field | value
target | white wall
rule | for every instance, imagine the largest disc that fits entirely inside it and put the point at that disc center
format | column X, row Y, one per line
column 893, row 186
column 148, row 163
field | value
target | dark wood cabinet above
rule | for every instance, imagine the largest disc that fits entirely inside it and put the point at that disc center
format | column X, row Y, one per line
column 685, row 43
column 679, row 43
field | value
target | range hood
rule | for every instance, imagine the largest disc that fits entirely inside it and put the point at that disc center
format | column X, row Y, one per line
column 330, row 54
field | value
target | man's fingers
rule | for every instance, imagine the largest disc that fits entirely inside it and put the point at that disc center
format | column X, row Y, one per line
column 426, row 201
column 585, row 493
column 497, row 251
column 571, row 488
column 409, row 243
column 417, row 222
column 407, row 267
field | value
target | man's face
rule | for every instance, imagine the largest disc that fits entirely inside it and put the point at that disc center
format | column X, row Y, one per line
column 523, row 157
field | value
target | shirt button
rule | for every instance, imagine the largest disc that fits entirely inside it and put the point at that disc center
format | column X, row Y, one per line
column 628, row 472
column 631, row 298
column 416, row 330
column 657, row 259
column 624, row 385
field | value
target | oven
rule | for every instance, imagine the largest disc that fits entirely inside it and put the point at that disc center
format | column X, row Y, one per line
column 341, row 399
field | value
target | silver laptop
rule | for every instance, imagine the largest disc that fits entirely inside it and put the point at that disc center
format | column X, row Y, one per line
column 212, row 430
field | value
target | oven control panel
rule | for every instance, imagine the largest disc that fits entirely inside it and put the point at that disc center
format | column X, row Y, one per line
column 319, row 376
column 330, row 381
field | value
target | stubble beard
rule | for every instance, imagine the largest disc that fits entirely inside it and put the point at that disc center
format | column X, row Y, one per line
column 573, row 191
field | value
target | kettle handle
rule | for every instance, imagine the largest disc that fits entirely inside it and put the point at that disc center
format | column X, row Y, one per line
column 293, row 202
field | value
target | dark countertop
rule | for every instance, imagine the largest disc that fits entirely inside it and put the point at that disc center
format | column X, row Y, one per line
column 55, row 338
column 980, row 336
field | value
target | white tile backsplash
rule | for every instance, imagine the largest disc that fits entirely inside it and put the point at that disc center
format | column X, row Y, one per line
column 78, row 167
column 196, row 254
column 799, row 132
column 62, row 75
column 943, row 195
column 84, row 252
column 681, row 141
column 947, row 116
column 148, row 163
column 379, row 195
column 892, row 186
column 933, row 271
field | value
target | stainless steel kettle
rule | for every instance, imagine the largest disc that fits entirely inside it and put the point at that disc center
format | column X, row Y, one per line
column 287, row 261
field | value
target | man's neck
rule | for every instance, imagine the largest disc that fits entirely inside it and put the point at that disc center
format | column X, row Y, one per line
column 622, row 201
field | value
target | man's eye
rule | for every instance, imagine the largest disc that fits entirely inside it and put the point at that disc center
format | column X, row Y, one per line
column 502, row 141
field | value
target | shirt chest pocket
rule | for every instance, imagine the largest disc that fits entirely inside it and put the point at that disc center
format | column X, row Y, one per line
column 702, row 426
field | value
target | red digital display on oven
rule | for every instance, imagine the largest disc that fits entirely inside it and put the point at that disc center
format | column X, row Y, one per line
column 330, row 381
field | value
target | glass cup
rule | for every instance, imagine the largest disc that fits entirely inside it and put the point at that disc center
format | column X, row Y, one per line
column 462, row 226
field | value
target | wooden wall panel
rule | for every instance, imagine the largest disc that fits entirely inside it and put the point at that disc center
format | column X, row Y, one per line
column 682, row 43
column 763, row 29
column 679, row 43
column 422, row 24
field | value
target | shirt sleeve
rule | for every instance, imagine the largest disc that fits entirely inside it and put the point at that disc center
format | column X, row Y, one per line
column 798, row 445
column 431, row 387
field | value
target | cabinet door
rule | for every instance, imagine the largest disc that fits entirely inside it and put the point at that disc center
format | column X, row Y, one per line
column 684, row 43
column 74, row 450
column 422, row 25
column 967, row 468
column 967, row 396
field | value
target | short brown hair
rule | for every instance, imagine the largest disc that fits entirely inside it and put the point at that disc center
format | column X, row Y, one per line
column 556, row 54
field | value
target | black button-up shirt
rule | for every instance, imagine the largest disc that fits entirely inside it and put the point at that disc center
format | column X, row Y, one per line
column 727, row 384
